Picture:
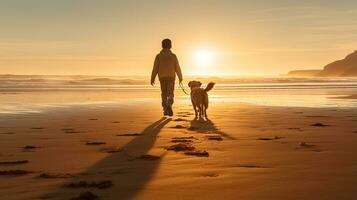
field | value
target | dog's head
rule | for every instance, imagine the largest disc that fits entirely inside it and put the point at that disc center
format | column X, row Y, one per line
column 194, row 84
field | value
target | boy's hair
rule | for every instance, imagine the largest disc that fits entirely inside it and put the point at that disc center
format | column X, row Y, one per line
column 166, row 44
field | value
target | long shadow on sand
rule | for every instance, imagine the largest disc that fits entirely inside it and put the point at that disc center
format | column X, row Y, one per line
column 207, row 126
column 128, row 173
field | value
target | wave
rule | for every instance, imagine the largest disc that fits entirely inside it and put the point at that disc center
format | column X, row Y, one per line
column 81, row 81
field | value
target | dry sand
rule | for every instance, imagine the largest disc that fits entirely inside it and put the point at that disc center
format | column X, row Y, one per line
column 254, row 152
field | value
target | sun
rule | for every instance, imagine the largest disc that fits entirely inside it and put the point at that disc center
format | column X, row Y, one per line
column 204, row 57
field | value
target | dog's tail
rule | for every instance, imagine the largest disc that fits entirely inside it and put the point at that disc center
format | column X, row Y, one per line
column 209, row 86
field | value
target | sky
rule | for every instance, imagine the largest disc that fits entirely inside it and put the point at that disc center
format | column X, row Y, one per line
column 210, row 37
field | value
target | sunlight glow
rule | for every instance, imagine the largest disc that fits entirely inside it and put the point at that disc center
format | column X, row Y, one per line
column 204, row 58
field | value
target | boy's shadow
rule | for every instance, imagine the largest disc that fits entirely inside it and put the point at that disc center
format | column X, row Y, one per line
column 125, row 169
column 207, row 126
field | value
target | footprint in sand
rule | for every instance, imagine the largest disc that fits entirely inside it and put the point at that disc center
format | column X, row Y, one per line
column 28, row 148
column 15, row 172
column 67, row 129
column 197, row 153
column 181, row 140
column 110, row 150
column 93, row 184
column 95, row 143
column 269, row 138
column 149, row 157
column 211, row 175
column 249, row 166
column 56, row 175
column 17, row 162
column 318, row 124
column 185, row 137
column 7, row 133
column 215, row 137
column 308, row 146
column 86, row 196
column 129, row 134
column 188, row 149
column 181, row 147
column 73, row 131
column 70, row 130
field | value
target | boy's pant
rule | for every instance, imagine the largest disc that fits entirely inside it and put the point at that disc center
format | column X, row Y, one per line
column 167, row 93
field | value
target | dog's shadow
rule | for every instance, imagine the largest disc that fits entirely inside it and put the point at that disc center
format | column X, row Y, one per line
column 201, row 125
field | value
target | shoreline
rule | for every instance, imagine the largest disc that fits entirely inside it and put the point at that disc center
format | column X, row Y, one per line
column 28, row 102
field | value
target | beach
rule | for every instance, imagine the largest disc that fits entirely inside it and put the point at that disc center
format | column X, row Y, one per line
column 99, row 100
column 127, row 150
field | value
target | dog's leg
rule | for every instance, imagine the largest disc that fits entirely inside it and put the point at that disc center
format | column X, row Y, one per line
column 205, row 112
column 194, row 108
column 206, row 106
column 201, row 110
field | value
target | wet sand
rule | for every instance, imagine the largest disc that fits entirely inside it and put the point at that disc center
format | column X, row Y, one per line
column 128, row 152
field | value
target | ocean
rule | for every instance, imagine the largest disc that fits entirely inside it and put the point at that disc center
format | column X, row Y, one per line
column 28, row 94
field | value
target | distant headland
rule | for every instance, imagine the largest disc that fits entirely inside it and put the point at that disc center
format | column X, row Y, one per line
column 346, row 67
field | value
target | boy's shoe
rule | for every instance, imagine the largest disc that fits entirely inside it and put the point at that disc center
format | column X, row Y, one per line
column 169, row 111
column 166, row 112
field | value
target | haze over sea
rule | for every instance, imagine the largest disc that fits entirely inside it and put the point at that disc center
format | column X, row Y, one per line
column 24, row 93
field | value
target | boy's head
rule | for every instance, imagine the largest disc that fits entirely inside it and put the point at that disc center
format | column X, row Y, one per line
column 166, row 44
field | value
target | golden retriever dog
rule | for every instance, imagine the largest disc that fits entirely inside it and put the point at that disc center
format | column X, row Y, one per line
column 199, row 97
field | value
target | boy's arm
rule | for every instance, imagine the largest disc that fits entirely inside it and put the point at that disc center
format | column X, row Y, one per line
column 155, row 70
column 178, row 69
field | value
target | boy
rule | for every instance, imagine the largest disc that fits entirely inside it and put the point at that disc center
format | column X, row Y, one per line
column 166, row 66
